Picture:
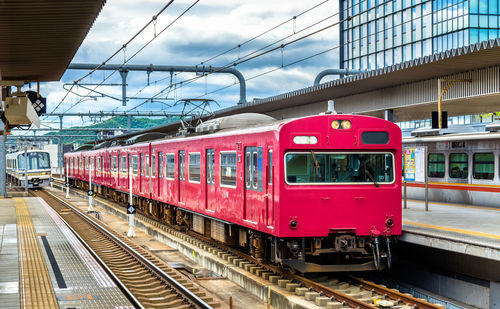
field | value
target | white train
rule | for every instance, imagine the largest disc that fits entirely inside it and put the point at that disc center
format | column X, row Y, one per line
column 462, row 167
column 37, row 165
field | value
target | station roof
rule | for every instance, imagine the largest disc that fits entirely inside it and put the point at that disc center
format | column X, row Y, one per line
column 38, row 39
column 476, row 56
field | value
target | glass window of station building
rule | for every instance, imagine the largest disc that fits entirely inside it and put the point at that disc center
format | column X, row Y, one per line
column 376, row 33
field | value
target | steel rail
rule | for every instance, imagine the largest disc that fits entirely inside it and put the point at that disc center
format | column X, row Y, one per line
column 176, row 285
column 396, row 295
column 316, row 286
column 135, row 302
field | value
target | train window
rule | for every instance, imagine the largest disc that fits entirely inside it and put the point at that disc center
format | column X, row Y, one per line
column 459, row 165
column 228, row 169
column 255, row 171
column 135, row 164
column 330, row 168
column 182, row 165
column 153, row 165
column 146, row 166
column 248, row 169
column 124, row 164
column 86, row 163
column 210, row 157
column 34, row 160
column 436, row 165
column 170, row 166
column 270, row 170
column 98, row 165
column 373, row 137
column 194, row 167
column 160, row 164
column 115, row 165
column 483, row 165
column 142, row 164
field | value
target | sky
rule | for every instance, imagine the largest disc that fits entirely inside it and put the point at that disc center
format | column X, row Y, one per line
column 207, row 30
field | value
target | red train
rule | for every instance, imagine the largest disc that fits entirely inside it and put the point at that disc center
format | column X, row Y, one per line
column 319, row 193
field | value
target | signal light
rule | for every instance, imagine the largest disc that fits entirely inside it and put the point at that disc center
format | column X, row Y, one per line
column 341, row 124
column 346, row 124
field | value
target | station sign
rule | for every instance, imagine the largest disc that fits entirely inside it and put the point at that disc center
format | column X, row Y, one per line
column 131, row 210
column 414, row 164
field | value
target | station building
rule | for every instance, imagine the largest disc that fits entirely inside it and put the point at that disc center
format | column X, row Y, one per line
column 377, row 34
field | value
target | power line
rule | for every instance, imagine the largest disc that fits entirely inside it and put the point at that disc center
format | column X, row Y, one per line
column 153, row 19
column 313, row 55
column 294, row 18
column 130, row 58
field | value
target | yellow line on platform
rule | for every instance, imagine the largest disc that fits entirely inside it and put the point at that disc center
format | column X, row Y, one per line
column 451, row 229
column 35, row 286
column 457, row 205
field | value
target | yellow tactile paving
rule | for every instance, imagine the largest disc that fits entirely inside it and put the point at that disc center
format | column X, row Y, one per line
column 35, row 287
column 450, row 229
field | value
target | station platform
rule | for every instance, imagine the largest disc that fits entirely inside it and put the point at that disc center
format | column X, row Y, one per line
column 43, row 265
column 470, row 230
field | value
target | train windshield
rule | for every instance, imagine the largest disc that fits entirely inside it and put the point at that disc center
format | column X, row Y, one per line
column 36, row 161
column 337, row 168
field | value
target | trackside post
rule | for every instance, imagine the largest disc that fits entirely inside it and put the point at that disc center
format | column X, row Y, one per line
column 90, row 187
column 131, row 208
column 67, row 180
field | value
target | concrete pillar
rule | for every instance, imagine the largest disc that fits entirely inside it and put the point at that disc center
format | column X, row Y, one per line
column 60, row 157
column 389, row 115
column 129, row 122
column 494, row 294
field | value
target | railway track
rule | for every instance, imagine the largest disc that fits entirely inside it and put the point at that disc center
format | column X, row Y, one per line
column 145, row 280
column 332, row 292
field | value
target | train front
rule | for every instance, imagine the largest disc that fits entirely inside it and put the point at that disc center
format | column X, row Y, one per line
column 340, row 201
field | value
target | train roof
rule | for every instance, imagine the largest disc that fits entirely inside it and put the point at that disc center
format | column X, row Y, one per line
column 13, row 154
column 248, row 123
column 469, row 135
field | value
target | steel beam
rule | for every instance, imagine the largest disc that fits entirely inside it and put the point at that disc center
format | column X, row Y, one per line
column 116, row 114
column 340, row 72
column 80, row 129
column 165, row 68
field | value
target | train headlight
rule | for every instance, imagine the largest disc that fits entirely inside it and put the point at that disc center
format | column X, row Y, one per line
column 346, row 124
column 302, row 139
column 335, row 124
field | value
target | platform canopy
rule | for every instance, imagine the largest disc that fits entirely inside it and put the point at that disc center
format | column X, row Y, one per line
column 39, row 38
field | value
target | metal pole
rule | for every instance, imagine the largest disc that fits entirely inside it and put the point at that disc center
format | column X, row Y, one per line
column 440, row 120
column 123, row 74
column 405, row 201
column 26, row 168
column 426, row 180
column 67, row 180
column 131, row 231
column 3, row 166
column 90, row 187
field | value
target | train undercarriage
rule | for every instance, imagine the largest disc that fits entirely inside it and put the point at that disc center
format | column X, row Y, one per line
column 336, row 253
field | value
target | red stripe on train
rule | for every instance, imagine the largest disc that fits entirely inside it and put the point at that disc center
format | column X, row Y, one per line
column 455, row 187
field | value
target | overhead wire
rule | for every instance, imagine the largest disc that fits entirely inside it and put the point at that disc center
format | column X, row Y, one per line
column 153, row 19
column 238, row 45
column 236, row 62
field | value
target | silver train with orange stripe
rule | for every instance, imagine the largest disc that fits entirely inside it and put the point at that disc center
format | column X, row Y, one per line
column 462, row 167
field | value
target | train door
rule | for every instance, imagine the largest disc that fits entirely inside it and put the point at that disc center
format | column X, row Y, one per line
column 270, row 189
column 210, row 180
column 254, row 195
column 142, row 173
column 159, row 181
column 182, row 176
